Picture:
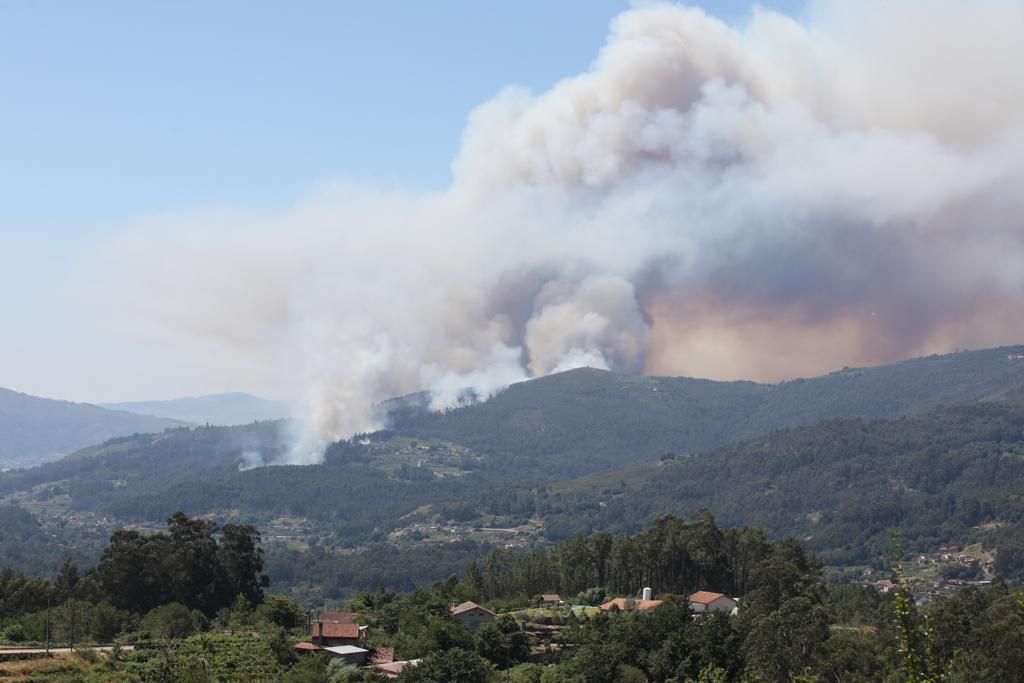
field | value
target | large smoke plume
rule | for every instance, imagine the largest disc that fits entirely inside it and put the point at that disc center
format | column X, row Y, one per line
column 760, row 202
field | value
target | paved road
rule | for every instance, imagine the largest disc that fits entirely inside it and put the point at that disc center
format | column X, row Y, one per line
column 19, row 651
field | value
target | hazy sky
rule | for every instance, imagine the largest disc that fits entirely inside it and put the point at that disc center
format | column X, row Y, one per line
column 113, row 111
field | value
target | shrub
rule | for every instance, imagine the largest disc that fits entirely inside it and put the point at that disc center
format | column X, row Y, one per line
column 171, row 621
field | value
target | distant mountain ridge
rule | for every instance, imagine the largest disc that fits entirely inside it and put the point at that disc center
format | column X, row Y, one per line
column 235, row 408
column 586, row 420
column 34, row 429
column 495, row 460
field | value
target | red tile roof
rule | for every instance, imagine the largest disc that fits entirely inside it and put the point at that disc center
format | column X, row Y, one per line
column 338, row 617
column 468, row 606
column 621, row 603
column 332, row 630
column 392, row 669
column 307, row 646
column 705, row 597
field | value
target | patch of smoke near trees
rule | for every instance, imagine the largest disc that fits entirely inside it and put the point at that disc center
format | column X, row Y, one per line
column 760, row 202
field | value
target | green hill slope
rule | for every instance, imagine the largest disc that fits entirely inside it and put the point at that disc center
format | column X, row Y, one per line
column 586, row 420
column 142, row 464
column 839, row 485
column 492, row 460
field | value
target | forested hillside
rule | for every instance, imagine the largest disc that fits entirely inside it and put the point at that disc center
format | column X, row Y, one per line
column 194, row 604
column 33, row 429
column 143, row 464
column 840, row 485
column 416, row 503
column 586, row 420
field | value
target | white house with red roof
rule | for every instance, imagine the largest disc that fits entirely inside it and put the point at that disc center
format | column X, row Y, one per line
column 472, row 615
column 706, row 601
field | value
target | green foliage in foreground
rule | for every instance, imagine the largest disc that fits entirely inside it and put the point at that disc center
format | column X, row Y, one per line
column 791, row 626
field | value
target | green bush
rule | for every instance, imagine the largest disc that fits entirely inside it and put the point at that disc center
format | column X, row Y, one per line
column 282, row 611
column 171, row 621
column 15, row 633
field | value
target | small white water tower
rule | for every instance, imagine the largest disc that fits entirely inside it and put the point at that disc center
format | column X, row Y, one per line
column 648, row 594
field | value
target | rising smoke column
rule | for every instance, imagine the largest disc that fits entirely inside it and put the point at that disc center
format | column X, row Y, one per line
column 762, row 202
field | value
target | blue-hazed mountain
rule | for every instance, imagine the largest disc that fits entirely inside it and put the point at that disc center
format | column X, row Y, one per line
column 35, row 430
column 234, row 408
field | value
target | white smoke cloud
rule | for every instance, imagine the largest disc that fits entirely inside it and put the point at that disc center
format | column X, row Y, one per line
column 596, row 322
column 761, row 202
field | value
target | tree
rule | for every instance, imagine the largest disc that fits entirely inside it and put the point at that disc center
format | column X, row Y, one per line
column 713, row 674
column 194, row 566
column 309, row 669
column 473, row 578
column 133, row 570
column 241, row 559
column 786, row 642
column 107, row 622
column 595, row 663
column 171, row 621
column 452, row 666
column 282, row 611
column 67, row 579
column 503, row 642
column 185, row 565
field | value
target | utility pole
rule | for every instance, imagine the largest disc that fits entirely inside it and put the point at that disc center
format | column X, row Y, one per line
column 47, row 626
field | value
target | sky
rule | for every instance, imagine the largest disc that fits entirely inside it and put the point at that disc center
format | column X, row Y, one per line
column 336, row 203
column 114, row 111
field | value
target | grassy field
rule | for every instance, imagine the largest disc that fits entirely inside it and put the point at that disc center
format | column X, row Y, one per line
column 440, row 457
column 43, row 668
column 613, row 482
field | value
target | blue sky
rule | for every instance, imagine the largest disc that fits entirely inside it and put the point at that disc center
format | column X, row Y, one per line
column 113, row 110
column 116, row 108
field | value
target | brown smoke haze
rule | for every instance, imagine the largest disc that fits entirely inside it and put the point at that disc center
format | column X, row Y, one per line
column 763, row 202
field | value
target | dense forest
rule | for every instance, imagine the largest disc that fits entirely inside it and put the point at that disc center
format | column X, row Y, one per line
column 192, row 601
column 586, row 420
column 840, row 485
column 949, row 476
column 195, row 564
column 24, row 543
column 563, row 425
column 148, row 463
column 34, row 429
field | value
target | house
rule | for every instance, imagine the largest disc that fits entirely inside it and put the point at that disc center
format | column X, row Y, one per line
column 393, row 669
column 630, row 605
column 306, row 648
column 706, row 601
column 885, row 586
column 351, row 654
column 472, row 615
column 337, row 617
column 330, row 633
column 550, row 600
